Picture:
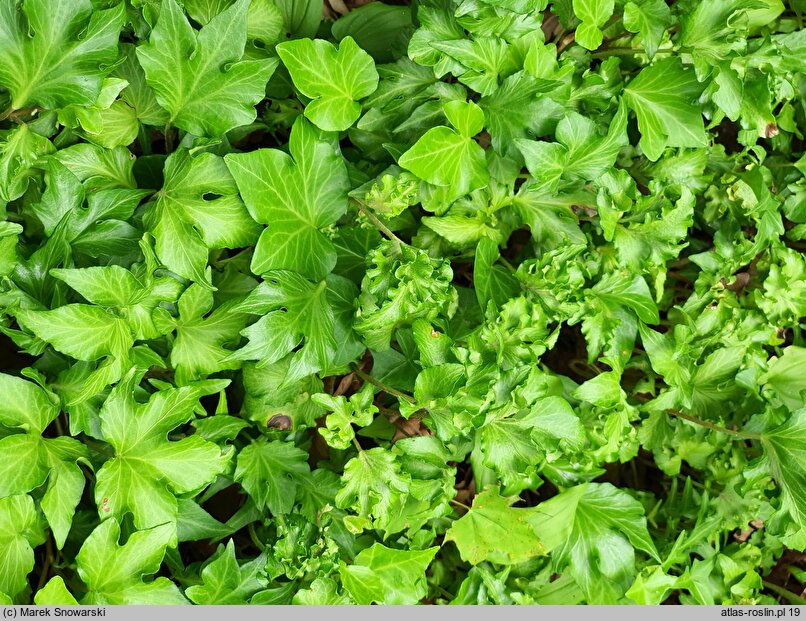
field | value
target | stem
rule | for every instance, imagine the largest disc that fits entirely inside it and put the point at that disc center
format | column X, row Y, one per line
column 626, row 51
column 785, row 593
column 145, row 141
column 6, row 113
column 253, row 536
column 459, row 504
column 357, row 445
column 379, row 384
column 378, row 224
column 745, row 435
column 169, row 139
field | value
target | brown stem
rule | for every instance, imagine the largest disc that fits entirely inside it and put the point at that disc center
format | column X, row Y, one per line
column 379, row 384
column 745, row 435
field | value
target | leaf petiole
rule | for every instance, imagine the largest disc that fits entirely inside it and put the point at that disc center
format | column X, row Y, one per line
column 379, row 384
column 745, row 435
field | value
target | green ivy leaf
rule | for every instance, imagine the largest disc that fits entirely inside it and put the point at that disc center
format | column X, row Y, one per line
column 20, row 532
column 46, row 63
column 386, row 576
column 333, row 78
column 592, row 530
column 663, row 97
column 114, row 573
column 495, row 531
column 296, row 196
column 227, row 582
column 269, row 472
column 292, row 310
column 198, row 209
column 147, row 470
column 202, row 79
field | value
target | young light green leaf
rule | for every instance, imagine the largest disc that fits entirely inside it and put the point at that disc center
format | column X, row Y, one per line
column 269, row 472
column 227, row 582
column 46, row 64
column 147, row 470
column 664, row 98
column 202, row 79
column 495, row 531
column 54, row 593
column 785, row 447
column 20, row 532
column 296, row 196
column 444, row 157
column 114, row 573
column 335, row 79
column 593, row 14
column 592, row 529
column 386, row 576
column 786, row 378
column 648, row 18
column 580, row 154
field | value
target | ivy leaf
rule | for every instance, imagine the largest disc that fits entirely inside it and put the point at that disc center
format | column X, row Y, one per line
column 445, row 157
column 648, row 18
column 785, row 447
column 46, row 64
column 593, row 14
column 269, row 472
column 227, row 582
column 663, row 97
column 373, row 486
column 147, row 470
column 592, row 530
column 386, row 576
column 296, row 196
column 785, row 377
column 198, row 209
column 495, row 531
column 292, row 310
column 54, row 593
column 199, row 348
column 580, row 153
column 335, row 79
column 201, row 79
column 79, row 330
column 20, row 532
column 114, row 573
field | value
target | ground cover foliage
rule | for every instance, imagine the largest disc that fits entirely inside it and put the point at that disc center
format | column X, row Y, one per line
column 463, row 301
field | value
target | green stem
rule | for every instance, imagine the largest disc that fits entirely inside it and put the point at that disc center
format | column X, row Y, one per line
column 357, row 445
column 253, row 536
column 6, row 113
column 625, row 51
column 169, row 140
column 745, row 435
column 785, row 593
column 378, row 224
column 459, row 504
column 145, row 141
column 379, row 384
